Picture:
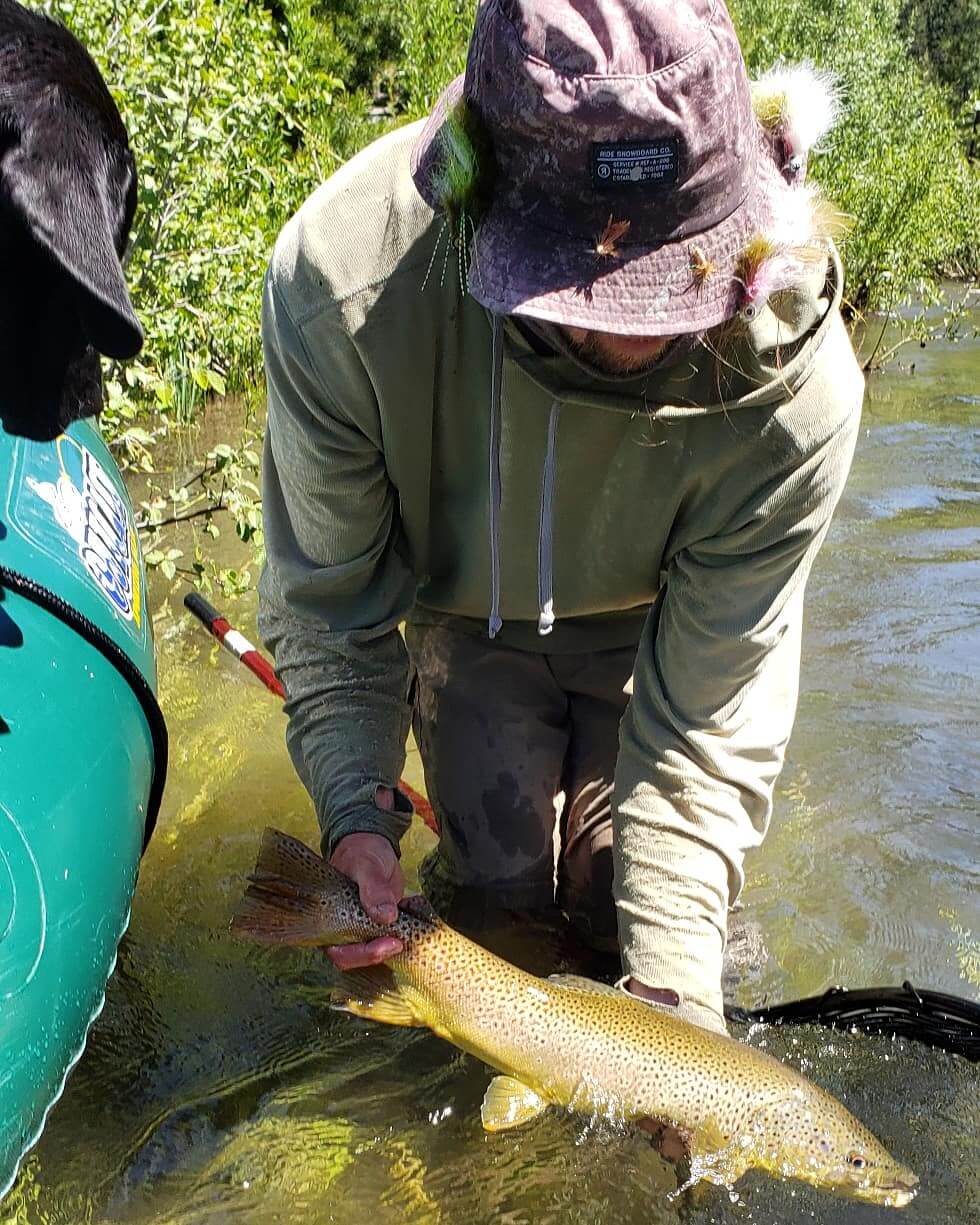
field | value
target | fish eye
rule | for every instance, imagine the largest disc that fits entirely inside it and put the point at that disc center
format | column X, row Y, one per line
column 856, row 1161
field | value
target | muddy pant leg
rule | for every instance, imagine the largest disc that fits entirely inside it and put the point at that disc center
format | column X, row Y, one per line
column 597, row 685
column 492, row 729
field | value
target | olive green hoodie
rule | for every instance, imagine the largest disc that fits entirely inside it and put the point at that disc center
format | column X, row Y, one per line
column 423, row 459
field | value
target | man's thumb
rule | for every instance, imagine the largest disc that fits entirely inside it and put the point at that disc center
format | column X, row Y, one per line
column 379, row 895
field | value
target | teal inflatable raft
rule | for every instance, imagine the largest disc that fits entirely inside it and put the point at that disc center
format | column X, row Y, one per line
column 83, row 752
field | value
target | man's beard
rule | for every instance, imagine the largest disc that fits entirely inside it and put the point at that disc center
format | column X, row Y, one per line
column 590, row 351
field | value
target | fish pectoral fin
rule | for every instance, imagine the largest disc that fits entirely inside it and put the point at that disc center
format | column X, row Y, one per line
column 374, row 993
column 700, row 1170
column 509, row 1103
column 723, row 1166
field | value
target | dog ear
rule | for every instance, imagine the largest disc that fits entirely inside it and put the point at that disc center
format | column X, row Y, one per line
column 71, row 192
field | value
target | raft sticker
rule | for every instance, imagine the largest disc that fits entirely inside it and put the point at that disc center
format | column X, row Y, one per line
column 97, row 519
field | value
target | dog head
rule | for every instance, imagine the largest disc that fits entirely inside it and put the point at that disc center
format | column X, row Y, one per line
column 67, row 199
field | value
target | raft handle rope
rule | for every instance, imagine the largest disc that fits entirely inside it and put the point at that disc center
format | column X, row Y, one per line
column 31, row 590
column 248, row 654
column 943, row 1021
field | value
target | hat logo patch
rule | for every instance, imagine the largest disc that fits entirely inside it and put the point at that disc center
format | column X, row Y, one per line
column 634, row 163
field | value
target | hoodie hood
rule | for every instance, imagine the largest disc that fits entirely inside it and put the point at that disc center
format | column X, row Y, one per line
column 739, row 364
column 744, row 362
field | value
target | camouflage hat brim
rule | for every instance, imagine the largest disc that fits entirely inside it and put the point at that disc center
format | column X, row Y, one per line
column 517, row 268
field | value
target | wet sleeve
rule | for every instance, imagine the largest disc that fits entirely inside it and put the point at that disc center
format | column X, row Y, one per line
column 338, row 578
column 715, row 691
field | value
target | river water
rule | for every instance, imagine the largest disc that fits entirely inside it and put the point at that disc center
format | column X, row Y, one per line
column 218, row 1087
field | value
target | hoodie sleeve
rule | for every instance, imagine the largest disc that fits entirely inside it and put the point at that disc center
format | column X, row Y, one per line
column 715, row 690
column 337, row 579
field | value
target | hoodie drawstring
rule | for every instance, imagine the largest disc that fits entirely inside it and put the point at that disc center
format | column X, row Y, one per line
column 546, row 600
column 546, row 595
column 495, row 622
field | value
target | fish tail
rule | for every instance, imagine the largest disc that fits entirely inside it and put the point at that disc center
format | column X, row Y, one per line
column 272, row 914
column 284, row 900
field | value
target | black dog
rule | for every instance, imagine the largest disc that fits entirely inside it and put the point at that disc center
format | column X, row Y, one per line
column 67, row 199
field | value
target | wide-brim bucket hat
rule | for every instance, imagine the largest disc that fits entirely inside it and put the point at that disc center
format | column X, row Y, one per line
column 629, row 170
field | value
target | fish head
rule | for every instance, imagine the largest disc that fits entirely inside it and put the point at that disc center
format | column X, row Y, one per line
column 865, row 1171
column 815, row 1139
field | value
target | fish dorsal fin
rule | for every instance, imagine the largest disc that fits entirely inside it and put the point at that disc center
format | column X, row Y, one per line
column 292, row 860
column 575, row 982
column 509, row 1103
column 374, row 993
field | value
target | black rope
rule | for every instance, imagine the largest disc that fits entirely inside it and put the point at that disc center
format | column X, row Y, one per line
column 945, row 1021
column 100, row 640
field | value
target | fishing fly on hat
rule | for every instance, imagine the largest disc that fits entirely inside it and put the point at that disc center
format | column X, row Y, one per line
column 610, row 166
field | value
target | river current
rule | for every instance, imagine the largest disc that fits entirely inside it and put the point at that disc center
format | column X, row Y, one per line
column 218, row 1087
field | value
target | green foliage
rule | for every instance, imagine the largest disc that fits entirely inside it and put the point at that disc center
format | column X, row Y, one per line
column 356, row 41
column 237, row 109
column 896, row 161
column 434, row 37
column 218, row 105
column 419, row 46
column 181, row 520
column 229, row 106
column 945, row 35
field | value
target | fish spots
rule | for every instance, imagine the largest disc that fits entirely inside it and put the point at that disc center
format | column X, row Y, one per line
column 600, row 1052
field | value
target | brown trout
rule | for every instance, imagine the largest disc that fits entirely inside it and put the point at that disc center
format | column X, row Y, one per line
column 569, row 1042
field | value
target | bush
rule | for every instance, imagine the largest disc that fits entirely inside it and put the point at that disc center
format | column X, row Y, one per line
column 896, row 162
column 434, row 38
column 217, row 104
column 945, row 36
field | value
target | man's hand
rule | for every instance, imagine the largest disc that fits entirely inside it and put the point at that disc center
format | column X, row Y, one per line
column 370, row 861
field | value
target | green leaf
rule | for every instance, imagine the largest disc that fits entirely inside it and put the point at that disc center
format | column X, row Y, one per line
column 216, row 381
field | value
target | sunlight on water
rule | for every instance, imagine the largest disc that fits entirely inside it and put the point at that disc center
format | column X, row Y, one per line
column 219, row 1087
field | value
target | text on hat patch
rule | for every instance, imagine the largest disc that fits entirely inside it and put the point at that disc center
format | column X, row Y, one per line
column 634, row 163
